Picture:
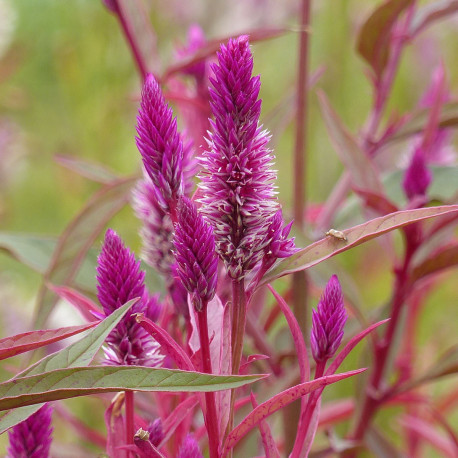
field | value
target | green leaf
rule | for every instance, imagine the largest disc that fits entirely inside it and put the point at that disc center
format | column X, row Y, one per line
column 375, row 35
column 330, row 246
column 76, row 241
column 82, row 381
column 77, row 354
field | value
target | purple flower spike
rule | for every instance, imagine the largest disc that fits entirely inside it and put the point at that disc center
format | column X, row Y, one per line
column 157, row 228
column 280, row 245
column 32, row 438
column 237, row 180
column 119, row 280
column 160, row 145
column 156, row 433
column 195, row 253
column 417, row 177
column 196, row 40
column 190, row 448
column 328, row 322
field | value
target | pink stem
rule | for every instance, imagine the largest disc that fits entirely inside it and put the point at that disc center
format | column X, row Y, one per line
column 211, row 418
column 130, row 428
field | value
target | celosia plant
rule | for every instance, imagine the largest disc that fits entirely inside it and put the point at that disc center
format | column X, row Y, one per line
column 204, row 360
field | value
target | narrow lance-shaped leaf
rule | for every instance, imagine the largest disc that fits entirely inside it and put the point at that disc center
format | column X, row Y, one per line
column 77, row 354
column 375, row 34
column 77, row 239
column 82, row 381
column 27, row 341
column 431, row 13
column 443, row 258
column 277, row 402
column 330, row 246
column 356, row 161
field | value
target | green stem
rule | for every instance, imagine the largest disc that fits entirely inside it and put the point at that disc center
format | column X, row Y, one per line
column 211, row 417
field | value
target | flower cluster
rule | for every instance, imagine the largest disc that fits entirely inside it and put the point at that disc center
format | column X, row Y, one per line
column 238, row 194
column 119, row 279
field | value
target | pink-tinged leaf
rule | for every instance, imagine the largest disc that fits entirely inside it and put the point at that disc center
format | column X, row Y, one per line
column 168, row 345
column 298, row 338
column 444, row 445
column 270, row 447
column 144, row 448
column 311, row 432
column 431, row 13
column 212, row 46
column 20, row 343
column 377, row 202
column 330, row 246
column 356, row 161
column 335, row 411
column 82, row 381
column 76, row 240
column 277, row 402
column 93, row 171
column 338, row 360
column 88, row 309
column 443, row 258
column 215, row 311
column 116, row 430
column 416, row 122
column 380, row 445
column 446, row 365
column 375, row 35
column 180, row 412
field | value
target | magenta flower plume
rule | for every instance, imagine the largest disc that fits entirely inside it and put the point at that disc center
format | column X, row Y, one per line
column 32, row 437
column 195, row 252
column 189, row 448
column 160, row 145
column 195, row 41
column 237, row 180
column 417, row 177
column 280, row 246
column 157, row 228
column 328, row 322
column 119, row 280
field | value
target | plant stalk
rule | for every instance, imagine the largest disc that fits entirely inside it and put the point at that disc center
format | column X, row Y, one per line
column 211, row 417
column 130, row 427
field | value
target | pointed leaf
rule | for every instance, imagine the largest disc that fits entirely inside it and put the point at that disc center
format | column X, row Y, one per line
column 77, row 239
column 168, row 345
column 76, row 354
column 93, row 171
column 443, row 258
column 277, row 402
column 32, row 340
column 116, row 431
column 81, row 381
column 431, row 13
column 375, row 35
column 356, row 161
column 329, row 246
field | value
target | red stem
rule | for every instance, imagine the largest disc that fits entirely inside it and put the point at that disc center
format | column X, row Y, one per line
column 130, row 428
column 131, row 40
column 211, row 417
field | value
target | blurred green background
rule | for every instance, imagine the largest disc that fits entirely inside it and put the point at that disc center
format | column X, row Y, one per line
column 68, row 85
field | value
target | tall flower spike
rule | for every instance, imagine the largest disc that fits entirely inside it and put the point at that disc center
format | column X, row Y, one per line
column 32, row 437
column 237, row 180
column 328, row 322
column 160, row 145
column 120, row 280
column 417, row 177
column 189, row 448
column 195, row 253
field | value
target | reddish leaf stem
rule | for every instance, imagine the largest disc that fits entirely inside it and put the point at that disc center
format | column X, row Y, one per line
column 211, row 418
column 130, row 428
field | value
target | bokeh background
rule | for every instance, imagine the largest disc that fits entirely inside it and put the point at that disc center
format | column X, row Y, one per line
column 69, row 86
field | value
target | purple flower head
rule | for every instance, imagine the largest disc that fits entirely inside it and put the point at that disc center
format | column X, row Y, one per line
column 160, row 145
column 196, row 41
column 119, row 279
column 157, row 228
column 280, row 246
column 328, row 322
column 417, row 177
column 156, row 433
column 237, row 180
column 197, row 262
column 189, row 448
column 32, row 437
